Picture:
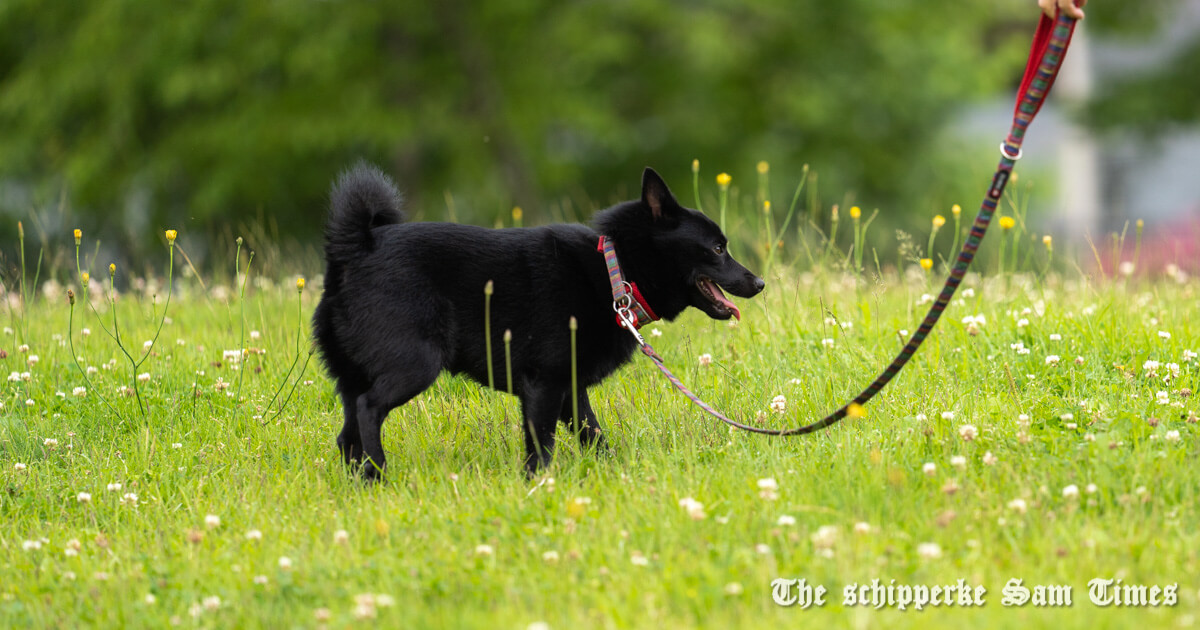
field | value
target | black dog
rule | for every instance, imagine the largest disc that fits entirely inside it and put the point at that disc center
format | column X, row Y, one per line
column 404, row 301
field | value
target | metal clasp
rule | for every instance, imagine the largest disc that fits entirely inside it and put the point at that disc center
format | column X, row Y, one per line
column 627, row 321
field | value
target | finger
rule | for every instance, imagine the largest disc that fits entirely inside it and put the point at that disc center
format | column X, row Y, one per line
column 1072, row 11
column 1047, row 7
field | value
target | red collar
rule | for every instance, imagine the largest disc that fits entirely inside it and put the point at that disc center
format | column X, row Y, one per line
column 626, row 296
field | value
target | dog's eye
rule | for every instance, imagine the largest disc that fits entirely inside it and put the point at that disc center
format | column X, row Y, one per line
column 719, row 249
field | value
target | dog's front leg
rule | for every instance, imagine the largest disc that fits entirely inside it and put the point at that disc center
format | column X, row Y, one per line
column 588, row 427
column 540, row 407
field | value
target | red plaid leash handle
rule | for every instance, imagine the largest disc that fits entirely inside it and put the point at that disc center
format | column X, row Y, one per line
column 1045, row 57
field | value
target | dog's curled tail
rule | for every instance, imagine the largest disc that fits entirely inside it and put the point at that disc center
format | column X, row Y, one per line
column 362, row 199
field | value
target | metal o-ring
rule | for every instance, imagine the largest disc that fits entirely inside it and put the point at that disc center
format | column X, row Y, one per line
column 1014, row 158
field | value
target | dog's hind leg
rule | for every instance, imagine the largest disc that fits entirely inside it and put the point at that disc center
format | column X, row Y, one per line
column 588, row 428
column 348, row 441
column 409, row 377
column 540, row 407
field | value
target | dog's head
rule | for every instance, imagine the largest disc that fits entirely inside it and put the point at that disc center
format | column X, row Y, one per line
column 678, row 256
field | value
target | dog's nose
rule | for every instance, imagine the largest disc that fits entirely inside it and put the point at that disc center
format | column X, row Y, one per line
column 759, row 284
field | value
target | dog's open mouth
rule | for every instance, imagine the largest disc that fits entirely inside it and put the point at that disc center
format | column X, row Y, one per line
column 713, row 293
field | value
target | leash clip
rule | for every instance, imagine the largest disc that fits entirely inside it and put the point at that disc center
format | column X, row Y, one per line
column 627, row 322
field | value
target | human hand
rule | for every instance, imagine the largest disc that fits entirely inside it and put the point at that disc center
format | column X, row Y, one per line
column 1067, row 6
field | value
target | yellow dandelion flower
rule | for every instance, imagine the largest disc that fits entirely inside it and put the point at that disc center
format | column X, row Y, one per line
column 1048, row 241
column 300, row 283
column 855, row 212
column 763, row 167
column 171, row 234
column 855, row 410
column 1007, row 222
column 1140, row 224
column 956, row 209
column 78, row 235
column 517, row 213
column 766, row 207
column 695, row 166
column 84, row 279
column 723, row 180
column 938, row 221
column 927, row 263
column 112, row 268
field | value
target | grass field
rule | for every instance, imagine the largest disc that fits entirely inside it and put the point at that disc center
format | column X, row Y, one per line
column 1049, row 441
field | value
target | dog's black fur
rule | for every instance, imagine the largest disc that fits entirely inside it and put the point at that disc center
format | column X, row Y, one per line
column 404, row 301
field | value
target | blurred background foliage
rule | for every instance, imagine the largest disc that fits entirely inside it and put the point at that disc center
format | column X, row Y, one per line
column 125, row 116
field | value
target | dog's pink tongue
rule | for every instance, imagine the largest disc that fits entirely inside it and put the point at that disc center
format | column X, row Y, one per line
column 720, row 295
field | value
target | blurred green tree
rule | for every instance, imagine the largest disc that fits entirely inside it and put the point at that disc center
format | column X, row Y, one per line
column 199, row 113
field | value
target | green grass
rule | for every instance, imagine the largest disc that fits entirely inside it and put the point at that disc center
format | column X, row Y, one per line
column 458, row 538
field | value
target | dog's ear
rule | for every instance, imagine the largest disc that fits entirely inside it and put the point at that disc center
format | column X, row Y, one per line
column 656, row 195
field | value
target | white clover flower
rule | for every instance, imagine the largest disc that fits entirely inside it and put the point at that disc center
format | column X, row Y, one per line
column 1189, row 356
column 1018, row 506
column 146, row 345
column 232, row 356
column 786, row 521
column 79, row 392
column 341, row 537
column 947, row 415
column 144, row 377
column 261, row 580
column 254, row 535
column 285, row 563
column 1023, row 322
column 31, row 545
column 779, row 404
column 484, row 550
column 762, row 549
column 23, row 348
column 903, row 332
column 212, row 520
column 925, row 299
column 706, row 359
column 1091, row 488
column 694, row 508
column 1071, row 492
column 212, row 603
column 1172, row 436
column 655, row 332
column 1162, row 397
column 862, row 527
column 958, row 461
column 1150, row 368
column 14, row 377
column 968, row 292
column 32, row 360
column 989, row 459
column 827, row 343
column 130, row 498
column 930, row 469
column 1066, row 417
column 254, row 334
column 732, row 588
column 639, row 559
column 114, row 487
column 1055, row 337
column 50, row 443
column 825, row 537
column 1125, row 268
column 929, row 551
column 1052, row 359
column 83, row 497
column 920, row 417
column 968, row 432
column 1162, row 334
column 1172, row 371
column 550, row 557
